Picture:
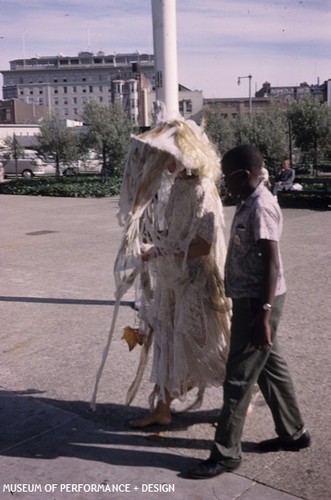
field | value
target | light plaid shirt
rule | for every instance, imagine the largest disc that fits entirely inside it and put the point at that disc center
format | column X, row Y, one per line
column 257, row 217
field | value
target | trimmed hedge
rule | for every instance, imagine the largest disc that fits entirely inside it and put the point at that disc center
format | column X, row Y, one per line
column 92, row 186
column 75, row 187
column 300, row 199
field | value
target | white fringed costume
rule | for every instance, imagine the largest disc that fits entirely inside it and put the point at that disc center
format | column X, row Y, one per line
column 182, row 304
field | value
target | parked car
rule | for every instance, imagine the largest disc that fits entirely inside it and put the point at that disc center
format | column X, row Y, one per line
column 66, row 170
column 90, row 166
column 78, row 167
column 26, row 167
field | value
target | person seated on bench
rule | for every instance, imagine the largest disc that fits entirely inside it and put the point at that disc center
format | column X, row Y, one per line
column 284, row 177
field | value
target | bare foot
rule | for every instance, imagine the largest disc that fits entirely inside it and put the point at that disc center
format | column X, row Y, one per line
column 250, row 409
column 151, row 419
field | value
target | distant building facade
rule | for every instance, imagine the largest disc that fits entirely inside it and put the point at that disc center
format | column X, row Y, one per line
column 16, row 111
column 236, row 106
column 26, row 134
column 296, row 92
column 233, row 107
column 65, row 84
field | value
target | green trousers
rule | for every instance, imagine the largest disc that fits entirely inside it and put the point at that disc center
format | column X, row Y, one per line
column 247, row 366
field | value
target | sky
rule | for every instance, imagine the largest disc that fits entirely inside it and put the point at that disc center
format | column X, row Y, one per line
column 284, row 42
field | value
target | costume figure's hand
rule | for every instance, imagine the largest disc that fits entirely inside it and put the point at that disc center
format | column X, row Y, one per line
column 145, row 257
column 148, row 252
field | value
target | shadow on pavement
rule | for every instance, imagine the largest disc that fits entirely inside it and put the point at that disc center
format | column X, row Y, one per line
column 41, row 428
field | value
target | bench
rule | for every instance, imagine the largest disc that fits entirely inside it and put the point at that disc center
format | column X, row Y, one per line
column 316, row 193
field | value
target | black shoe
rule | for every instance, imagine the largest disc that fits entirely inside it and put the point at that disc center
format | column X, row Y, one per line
column 278, row 444
column 210, row 468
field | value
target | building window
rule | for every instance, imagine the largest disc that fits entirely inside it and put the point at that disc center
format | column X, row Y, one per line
column 75, row 111
column 100, row 99
column 66, row 112
column 159, row 79
column 84, row 90
column 83, row 79
column 189, row 106
column 55, row 91
column 31, row 92
column 22, row 92
column 65, row 102
column 41, row 91
column 56, row 102
column 74, row 89
column 55, row 80
column 64, row 79
column 74, row 100
column 185, row 106
column 91, row 88
column 100, row 88
column 65, row 89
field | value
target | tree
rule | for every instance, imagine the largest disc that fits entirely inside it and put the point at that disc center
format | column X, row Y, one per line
column 268, row 131
column 108, row 131
column 311, row 127
column 58, row 141
column 220, row 131
column 12, row 147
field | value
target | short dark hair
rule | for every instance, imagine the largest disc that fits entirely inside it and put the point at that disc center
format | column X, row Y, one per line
column 246, row 156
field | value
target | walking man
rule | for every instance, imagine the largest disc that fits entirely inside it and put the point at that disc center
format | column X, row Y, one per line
column 255, row 282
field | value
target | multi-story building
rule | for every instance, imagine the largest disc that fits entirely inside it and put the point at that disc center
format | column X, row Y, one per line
column 65, row 84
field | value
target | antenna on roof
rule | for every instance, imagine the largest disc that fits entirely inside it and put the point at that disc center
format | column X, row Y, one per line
column 88, row 39
column 23, row 47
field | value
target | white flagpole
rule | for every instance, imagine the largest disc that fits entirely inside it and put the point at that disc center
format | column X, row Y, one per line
column 165, row 55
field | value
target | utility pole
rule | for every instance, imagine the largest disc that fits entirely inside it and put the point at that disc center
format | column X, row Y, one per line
column 15, row 151
column 249, row 89
column 165, row 56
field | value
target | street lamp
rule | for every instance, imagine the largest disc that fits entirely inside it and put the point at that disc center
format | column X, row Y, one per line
column 250, row 89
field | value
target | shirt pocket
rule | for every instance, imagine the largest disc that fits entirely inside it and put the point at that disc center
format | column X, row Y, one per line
column 240, row 236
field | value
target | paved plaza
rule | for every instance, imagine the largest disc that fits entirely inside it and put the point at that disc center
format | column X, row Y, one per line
column 57, row 300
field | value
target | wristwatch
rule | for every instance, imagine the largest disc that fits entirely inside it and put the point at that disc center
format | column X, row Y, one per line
column 267, row 307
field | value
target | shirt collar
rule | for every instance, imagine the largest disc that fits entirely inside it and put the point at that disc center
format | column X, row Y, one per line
column 250, row 199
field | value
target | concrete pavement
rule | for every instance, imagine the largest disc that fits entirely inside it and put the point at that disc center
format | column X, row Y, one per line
column 56, row 303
